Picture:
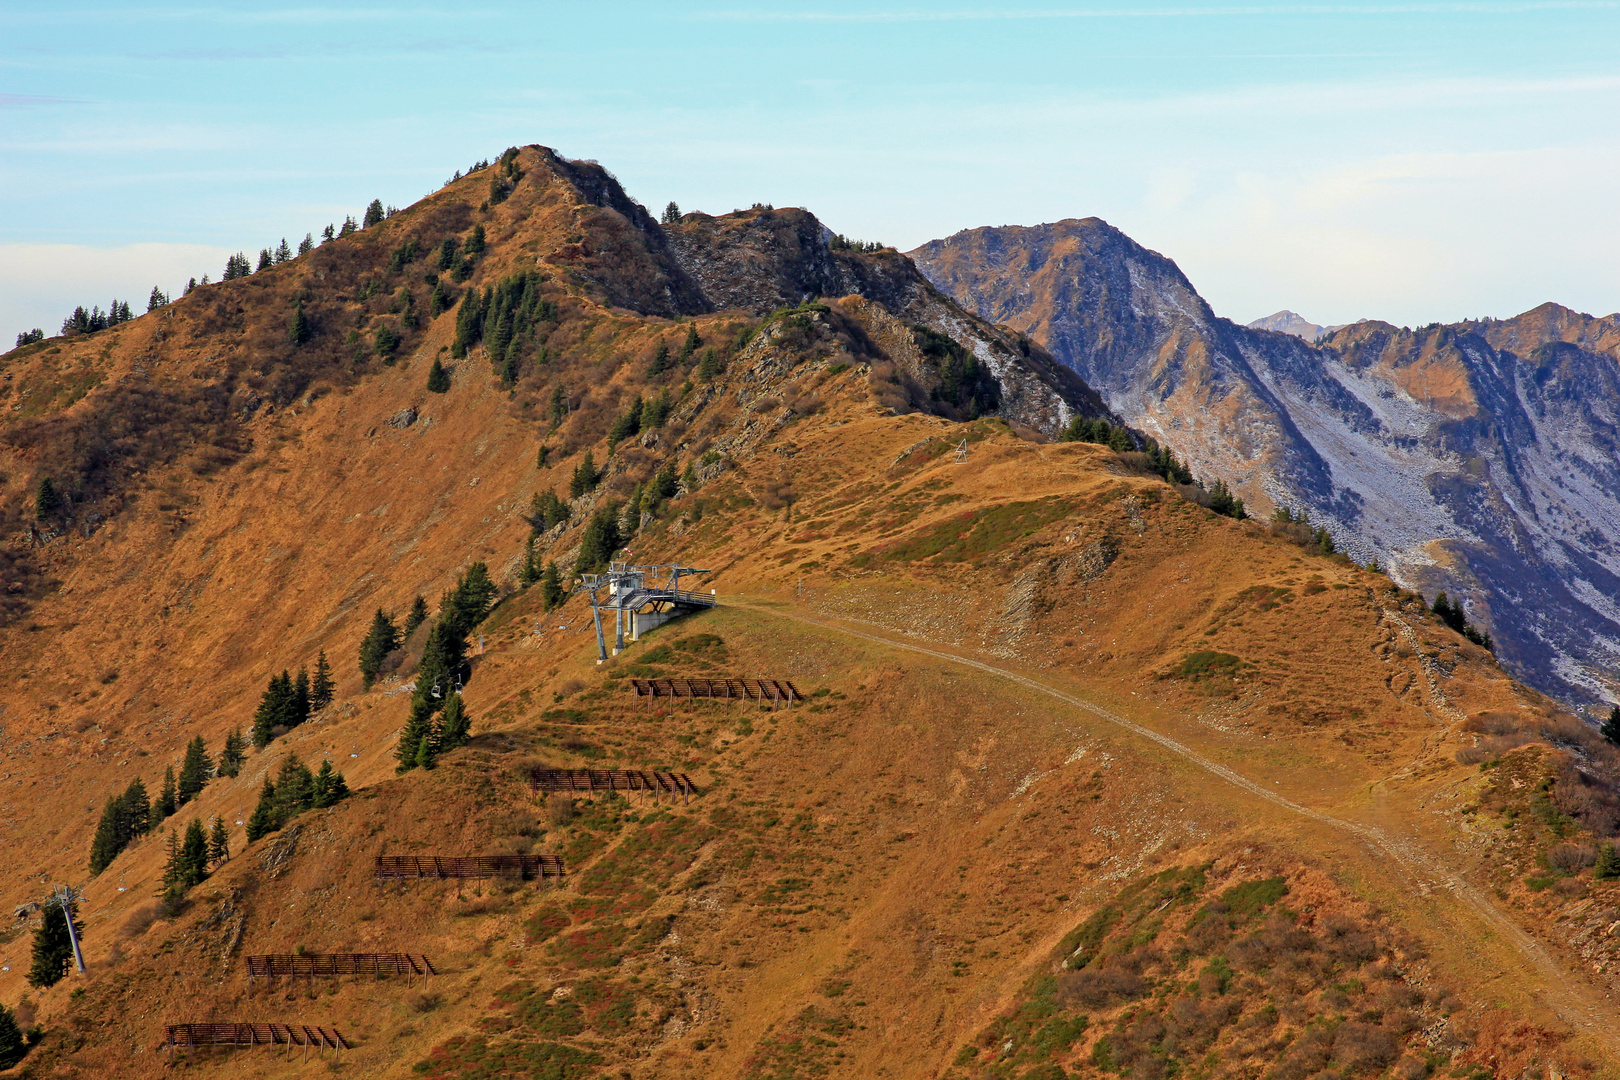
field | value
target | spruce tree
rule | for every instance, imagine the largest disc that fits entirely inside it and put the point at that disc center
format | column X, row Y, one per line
column 672, row 214
column 47, row 502
column 1608, row 863
column 690, row 345
column 265, row 259
column 530, row 573
column 585, row 477
column 470, row 600
column 299, row 328
column 441, row 661
column 559, row 406
column 475, row 242
column 438, row 379
column 283, row 252
column 301, row 701
column 418, row 727
column 295, row 789
column 328, row 787
column 426, row 757
column 193, row 865
column 416, row 616
column 277, row 709
column 105, row 846
column 156, row 300
column 219, row 842
column 709, row 367
column 233, row 755
column 455, row 726
column 1611, row 727
column 552, row 593
column 194, row 771
column 600, row 541
column 321, row 686
column 167, row 803
column 307, row 244
column 374, row 214
column 12, row 1047
column 689, row 479
column 171, row 890
column 381, row 640
column 137, row 808
column 53, row 947
column 263, row 819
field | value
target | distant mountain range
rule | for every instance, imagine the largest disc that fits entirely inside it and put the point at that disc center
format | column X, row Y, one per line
column 1291, row 322
column 1477, row 457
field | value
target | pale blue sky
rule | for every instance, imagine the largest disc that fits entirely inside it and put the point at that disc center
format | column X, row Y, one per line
column 1408, row 161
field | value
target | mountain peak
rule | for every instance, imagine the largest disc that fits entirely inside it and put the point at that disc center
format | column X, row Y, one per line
column 1291, row 322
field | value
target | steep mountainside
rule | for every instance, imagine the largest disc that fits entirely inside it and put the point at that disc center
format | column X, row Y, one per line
column 1086, row 780
column 1477, row 458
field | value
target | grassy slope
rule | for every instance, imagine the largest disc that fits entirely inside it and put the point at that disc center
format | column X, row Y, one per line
column 865, row 887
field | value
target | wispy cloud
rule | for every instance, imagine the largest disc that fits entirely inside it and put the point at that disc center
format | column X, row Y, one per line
column 291, row 16
column 23, row 101
column 1248, row 11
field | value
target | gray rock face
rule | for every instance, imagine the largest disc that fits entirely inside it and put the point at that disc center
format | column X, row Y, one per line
column 1479, row 458
column 403, row 419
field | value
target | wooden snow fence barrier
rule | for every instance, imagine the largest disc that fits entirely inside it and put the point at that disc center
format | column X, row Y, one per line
column 189, row 1036
column 591, row 781
column 512, row 867
column 309, row 965
column 775, row 691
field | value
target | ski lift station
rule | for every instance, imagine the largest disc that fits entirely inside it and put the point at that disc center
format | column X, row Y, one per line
column 642, row 597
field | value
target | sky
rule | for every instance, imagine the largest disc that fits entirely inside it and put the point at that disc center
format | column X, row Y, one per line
column 1414, row 162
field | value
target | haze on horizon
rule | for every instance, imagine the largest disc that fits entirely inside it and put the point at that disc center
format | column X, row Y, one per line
column 1410, row 162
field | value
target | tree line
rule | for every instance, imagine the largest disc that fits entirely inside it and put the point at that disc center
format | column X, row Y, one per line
column 511, row 318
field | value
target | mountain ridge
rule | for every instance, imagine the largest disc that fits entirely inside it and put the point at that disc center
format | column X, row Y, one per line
column 1460, row 463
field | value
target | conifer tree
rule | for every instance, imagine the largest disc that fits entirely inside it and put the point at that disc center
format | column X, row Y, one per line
column 193, row 864
column 455, row 726
column 530, row 573
column 278, row 708
column 559, row 406
column 194, row 771
column 266, row 261
column 295, row 789
column 600, row 541
column 219, row 842
column 689, row 480
column 326, row 233
column 1611, row 727
column 156, row 300
column 12, row 1046
column 283, row 252
column 469, row 601
column 53, row 947
column 321, row 687
column 307, row 244
column 350, row 226
column 438, row 381
column 105, row 846
column 660, row 361
column 475, row 242
column 585, row 477
column 137, row 808
column 426, row 757
column 167, row 803
column 47, row 503
column 170, row 881
column 263, row 819
column 379, row 642
column 191, row 285
column 418, row 727
column 552, row 593
column 328, row 787
column 690, row 345
column 299, row 328
column 671, row 215
column 709, row 367
column 1608, row 863
column 374, row 213
column 301, row 702
column 416, row 616
column 233, row 754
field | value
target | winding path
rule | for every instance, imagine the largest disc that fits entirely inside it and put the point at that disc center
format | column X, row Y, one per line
column 1560, row 989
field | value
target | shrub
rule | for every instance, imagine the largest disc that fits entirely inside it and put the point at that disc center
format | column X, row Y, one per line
column 1572, row 858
